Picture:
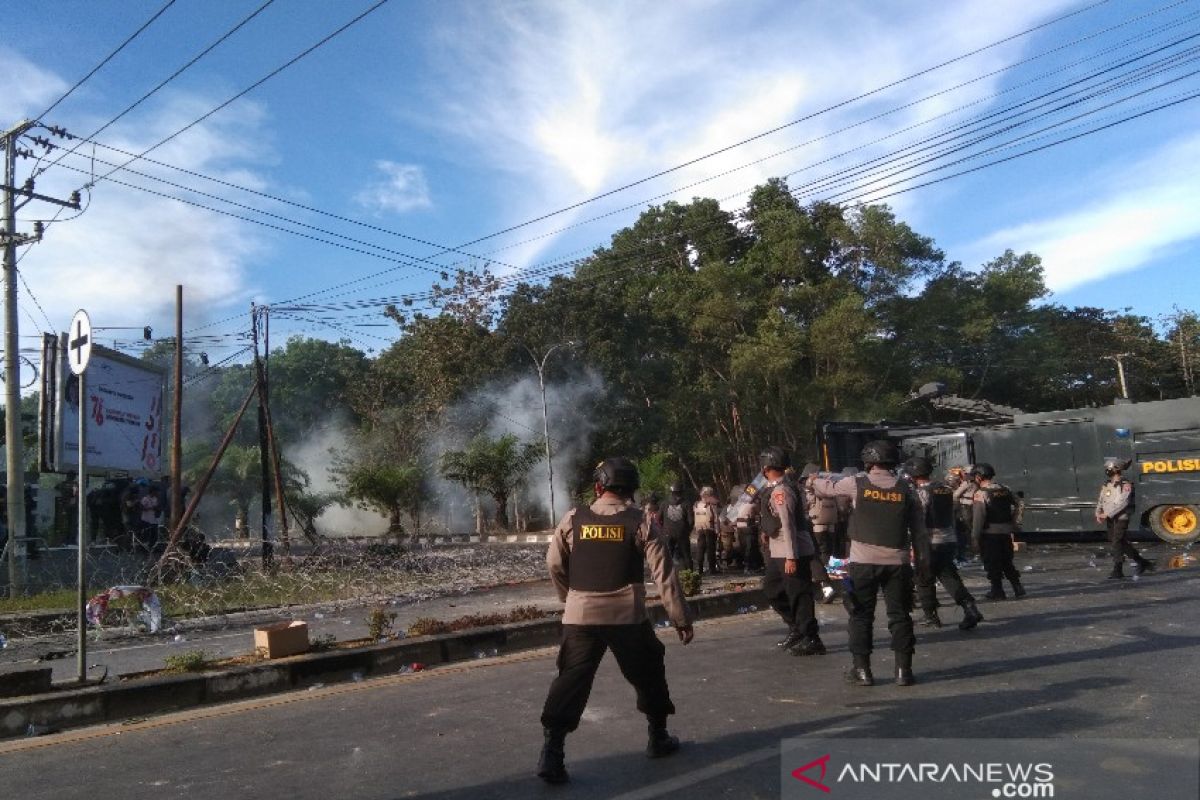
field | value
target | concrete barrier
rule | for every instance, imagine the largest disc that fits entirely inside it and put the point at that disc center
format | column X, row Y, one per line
column 73, row 707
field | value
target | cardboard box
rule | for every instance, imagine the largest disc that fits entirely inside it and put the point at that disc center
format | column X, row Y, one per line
column 281, row 639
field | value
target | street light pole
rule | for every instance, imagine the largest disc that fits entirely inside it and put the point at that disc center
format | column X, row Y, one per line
column 540, row 364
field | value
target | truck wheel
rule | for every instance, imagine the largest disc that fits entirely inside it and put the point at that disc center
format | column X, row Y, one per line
column 1175, row 524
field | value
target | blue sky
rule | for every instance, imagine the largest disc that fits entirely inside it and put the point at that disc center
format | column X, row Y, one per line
column 450, row 121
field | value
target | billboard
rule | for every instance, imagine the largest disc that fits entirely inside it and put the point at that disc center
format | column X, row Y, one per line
column 124, row 406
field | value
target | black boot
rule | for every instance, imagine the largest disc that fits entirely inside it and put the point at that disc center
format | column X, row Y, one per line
column 791, row 640
column 1118, row 572
column 660, row 743
column 1018, row 589
column 997, row 592
column 809, row 646
column 904, row 672
column 971, row 615
column 860, row 673
column 1143, row 566
column 931, row 619
column 551, row 768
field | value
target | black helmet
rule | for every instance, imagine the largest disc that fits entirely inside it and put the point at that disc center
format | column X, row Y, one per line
column 617, row 473
column 881, row 451
column 920, row 467
column 1112, row 464
column 676, row 488
column 774, row 458
column 810, row 469
column 985, row 471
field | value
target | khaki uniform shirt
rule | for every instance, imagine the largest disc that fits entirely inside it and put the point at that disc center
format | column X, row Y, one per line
column 793, row 540
column 624, row 606
column 864, row 552
column 1115, row 498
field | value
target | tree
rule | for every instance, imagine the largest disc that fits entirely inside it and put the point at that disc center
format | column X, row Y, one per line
column 496, row 467
column 388, row 489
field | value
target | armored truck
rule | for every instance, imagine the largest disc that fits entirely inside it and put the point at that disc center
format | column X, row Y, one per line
column 1053, row 460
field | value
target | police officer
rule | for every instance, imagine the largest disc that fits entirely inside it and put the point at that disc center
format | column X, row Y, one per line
column 887, row 519
column 748, row 535
column 597, row 560
column 994, row 516
column 705, row 518
column 731, row 555
column 1113, row 508
column 787, row 582
column 937, row 498
column 676, row 516
column 823, row 518
column 962, row 481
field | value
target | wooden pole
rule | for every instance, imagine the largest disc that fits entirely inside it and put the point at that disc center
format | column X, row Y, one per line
column 177, row 417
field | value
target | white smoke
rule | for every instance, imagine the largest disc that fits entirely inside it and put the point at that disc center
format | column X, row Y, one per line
column 315, row 456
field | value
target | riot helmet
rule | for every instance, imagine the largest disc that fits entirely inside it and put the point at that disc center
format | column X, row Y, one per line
column 882, row 452
column 919, row 467
column 1113, row 465
column 984, row 470
column 774, row 457
column 617, row 474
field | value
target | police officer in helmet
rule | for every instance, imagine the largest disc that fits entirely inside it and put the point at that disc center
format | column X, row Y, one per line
column 887, row 519
column 597, row 560
column 787, row 581
column 937, row 498
column 677, row 522
column 995, row 514
column 1113, row 509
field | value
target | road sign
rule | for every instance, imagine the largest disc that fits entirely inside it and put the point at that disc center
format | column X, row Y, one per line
column 79, row 342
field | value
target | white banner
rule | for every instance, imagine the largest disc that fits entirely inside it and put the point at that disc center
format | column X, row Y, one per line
column 124, row 404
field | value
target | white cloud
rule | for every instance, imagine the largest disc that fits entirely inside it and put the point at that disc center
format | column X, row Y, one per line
column 399, row 189
column 122, row 257
column 26, row 88
column 573, row 98
column 1140, row 213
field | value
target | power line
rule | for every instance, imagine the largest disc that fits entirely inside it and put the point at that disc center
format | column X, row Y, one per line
column 161, row 84
column 303, row 54
column 107, row 58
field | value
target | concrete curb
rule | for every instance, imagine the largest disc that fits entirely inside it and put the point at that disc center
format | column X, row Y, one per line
column 140, row 697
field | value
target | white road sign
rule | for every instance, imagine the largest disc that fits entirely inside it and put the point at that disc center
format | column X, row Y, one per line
column 79, row 342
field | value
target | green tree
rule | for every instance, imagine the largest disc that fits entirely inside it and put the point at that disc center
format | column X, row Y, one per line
column 389, row 489
column 495, row 467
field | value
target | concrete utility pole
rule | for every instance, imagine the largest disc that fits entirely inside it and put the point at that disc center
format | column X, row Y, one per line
column 10, row 240
column 177, row 417
column 540, row 364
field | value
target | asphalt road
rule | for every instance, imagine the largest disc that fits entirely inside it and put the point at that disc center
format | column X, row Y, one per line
column 1080, row 657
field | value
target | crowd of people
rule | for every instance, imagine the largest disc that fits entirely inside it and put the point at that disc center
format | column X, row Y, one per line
column 899, row 532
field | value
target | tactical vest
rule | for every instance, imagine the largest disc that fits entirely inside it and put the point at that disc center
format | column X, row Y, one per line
column 880, row 515
column 823, row 511
column 939, row 510
column 604, row 552
column 1000, row 507
column 705, row 520
column 769, row 522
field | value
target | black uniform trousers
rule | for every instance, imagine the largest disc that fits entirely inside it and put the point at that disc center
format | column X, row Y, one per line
column 940, row 567
column 1118, row 542
column 896, row 583
column 639, row 654
column 752, row 558
column 996, row 550
column 791, row 595
column 962, row 531
column 681, row 549
column 706, row 551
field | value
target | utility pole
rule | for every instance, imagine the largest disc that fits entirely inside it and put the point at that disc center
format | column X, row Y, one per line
column 177, row 416
column 10, row 239
column 1120, row 359
column 264, row 448
column 540, row 364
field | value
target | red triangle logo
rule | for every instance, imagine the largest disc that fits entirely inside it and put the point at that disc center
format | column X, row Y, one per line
column 823, row 763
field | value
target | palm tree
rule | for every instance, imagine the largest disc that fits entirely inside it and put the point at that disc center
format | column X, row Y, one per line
column 495, row 467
